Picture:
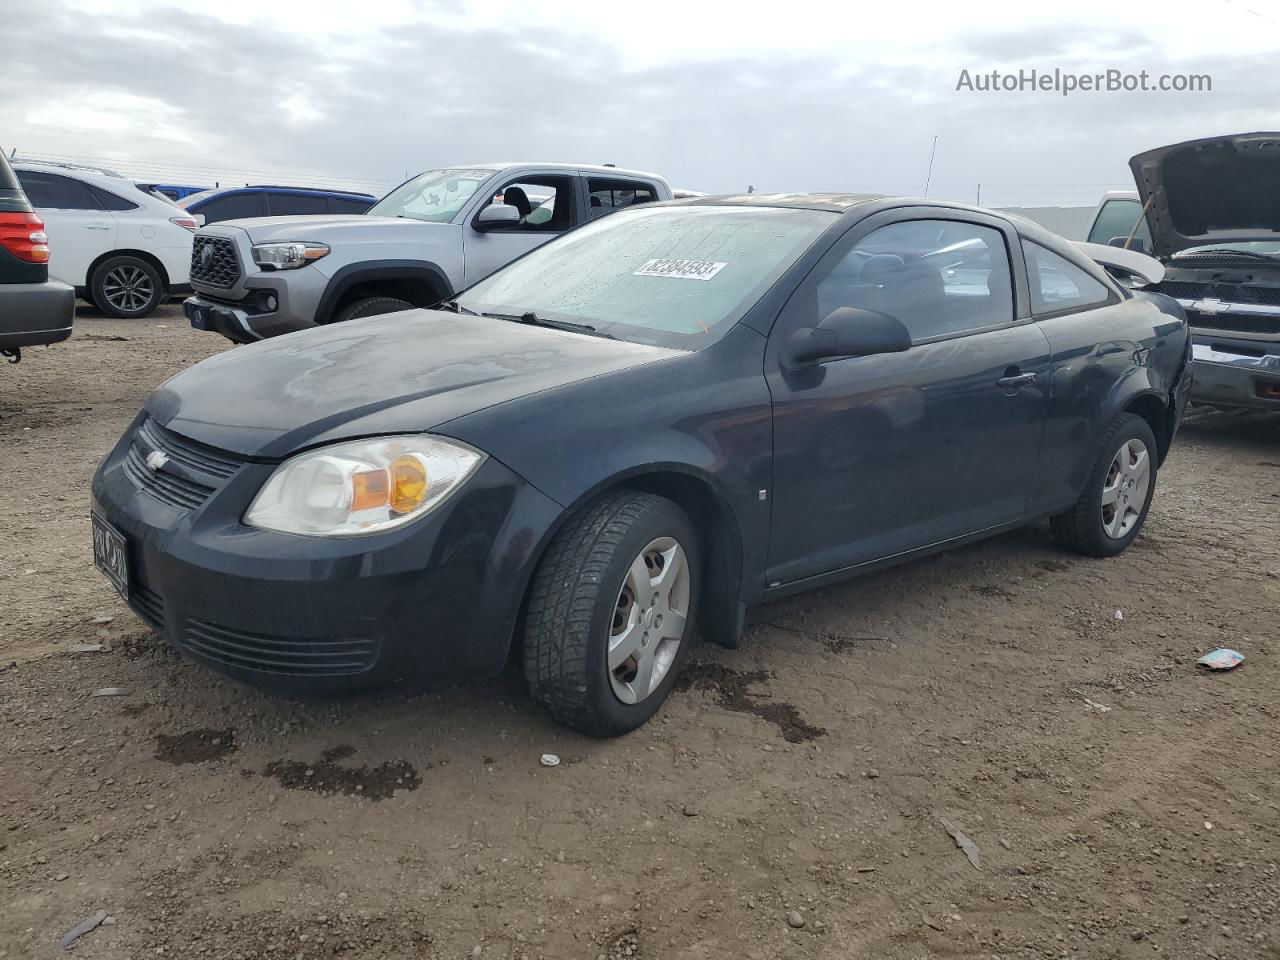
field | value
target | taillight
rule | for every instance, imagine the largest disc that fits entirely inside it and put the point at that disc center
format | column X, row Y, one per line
column 22, row 234
column 187, row 223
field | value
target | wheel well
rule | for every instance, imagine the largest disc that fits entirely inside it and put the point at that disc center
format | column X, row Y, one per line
column 415, row 290
column 1150, row 409
column 140, row 254
column 722, row 610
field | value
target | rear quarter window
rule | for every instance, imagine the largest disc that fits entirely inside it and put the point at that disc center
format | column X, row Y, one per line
column 1058, row 285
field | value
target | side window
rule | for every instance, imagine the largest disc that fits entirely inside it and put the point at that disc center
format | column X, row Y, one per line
column 109, row 201
column 1058, row 284
column 1116, row 219
column 348, row 205
column 295, row 204
column 938, row 277
column 607, row 196
column 234, row 206
column 545, row 204
column 53, row 192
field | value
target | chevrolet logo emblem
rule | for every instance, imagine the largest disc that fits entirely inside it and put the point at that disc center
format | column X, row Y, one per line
column 156, row 460
column 1210, row 306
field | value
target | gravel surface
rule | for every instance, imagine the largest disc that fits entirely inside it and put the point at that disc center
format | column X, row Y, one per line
column 789, row 801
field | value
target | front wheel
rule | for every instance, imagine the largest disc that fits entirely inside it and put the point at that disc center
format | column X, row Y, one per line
column 1117, row 495
column 611, row 611
column 371, row 307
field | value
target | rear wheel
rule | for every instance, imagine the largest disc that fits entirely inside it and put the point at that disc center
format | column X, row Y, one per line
column 1117, row 495
column 371, row 307
column 126, row 287
column 611, row 612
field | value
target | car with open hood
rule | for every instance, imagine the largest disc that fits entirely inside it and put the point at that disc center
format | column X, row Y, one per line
column 640, row 429
column 1209, row 210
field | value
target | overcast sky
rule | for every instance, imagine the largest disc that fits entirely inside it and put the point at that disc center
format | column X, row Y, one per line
column 793, row 95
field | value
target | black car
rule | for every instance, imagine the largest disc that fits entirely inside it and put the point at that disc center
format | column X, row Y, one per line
column 34, row 310
column 657, row 420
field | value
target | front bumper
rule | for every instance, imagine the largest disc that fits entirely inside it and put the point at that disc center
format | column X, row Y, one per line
column 431, row 604
column 1236, row 374
column 32, row 314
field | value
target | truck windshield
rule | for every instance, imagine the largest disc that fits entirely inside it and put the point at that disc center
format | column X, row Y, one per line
column 670, row 276
column 436, row 195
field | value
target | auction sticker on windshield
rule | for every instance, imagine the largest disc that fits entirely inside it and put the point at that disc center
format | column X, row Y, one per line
column 683, row 269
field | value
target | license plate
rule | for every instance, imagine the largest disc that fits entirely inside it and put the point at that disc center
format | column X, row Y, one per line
column 110, row 554
column 197, row 314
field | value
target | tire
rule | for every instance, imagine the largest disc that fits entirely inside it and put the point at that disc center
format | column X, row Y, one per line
column 370, row 307
column 1089, row 527
column 127, row 287
column 583, row 601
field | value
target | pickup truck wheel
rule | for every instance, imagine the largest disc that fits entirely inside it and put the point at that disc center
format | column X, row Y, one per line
column 610, row 616
column 1117, row 495
column 126, row 287
column 370, row 307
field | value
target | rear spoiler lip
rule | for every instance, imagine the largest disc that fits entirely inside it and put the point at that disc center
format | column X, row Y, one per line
column 1147, row 269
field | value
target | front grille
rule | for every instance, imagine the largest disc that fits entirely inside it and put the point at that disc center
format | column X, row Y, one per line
column 218, row 268
column 191, row 471
column 1235, row 323
column 1226, row 292
column 266, row 654
column 195, row 456
column 147, row 604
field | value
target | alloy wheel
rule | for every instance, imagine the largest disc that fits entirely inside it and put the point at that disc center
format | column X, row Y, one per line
column 1124, row 491
column 649, row 620
column 128, row 288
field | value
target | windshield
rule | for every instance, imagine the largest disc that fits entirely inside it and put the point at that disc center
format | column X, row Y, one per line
column 436, row 195
column 671, row 276
column 191, row 198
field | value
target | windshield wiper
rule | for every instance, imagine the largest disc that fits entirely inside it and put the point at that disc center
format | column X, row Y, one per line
column 533, row 320
column 456, row 307
column 1225, row 251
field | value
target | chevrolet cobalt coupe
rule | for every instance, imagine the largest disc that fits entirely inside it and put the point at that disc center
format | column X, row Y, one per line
column 649, row 424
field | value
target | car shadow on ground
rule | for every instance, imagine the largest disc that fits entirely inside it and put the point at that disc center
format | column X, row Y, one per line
column 1231, row 431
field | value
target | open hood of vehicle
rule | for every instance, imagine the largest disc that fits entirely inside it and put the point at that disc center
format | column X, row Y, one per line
column 397, row 373
column 1216, row 190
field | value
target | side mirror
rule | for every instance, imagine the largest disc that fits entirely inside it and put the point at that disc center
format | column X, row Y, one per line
column 1137, row 243
column 496, row 216
column 847, row 332
column 199, row 218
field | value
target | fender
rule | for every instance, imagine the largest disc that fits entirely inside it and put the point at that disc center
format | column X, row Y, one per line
column 353, row 273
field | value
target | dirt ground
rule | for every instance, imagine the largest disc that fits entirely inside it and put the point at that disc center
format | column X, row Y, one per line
column 789, row 801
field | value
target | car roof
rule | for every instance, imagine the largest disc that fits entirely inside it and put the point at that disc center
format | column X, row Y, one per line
column 596, row 168
column 832, row 202
column 72, row 169
column 285, row 187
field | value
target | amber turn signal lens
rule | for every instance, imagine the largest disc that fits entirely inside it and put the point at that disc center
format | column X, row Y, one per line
column 408, row 484
column 368, row 490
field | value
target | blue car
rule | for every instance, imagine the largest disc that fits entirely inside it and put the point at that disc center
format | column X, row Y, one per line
column 172, row 191
column 241, row 203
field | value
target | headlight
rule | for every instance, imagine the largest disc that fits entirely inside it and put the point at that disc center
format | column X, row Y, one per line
column 287, row 256
column 360, row 487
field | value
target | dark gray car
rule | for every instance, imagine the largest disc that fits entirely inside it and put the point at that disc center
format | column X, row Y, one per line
column 34, row 310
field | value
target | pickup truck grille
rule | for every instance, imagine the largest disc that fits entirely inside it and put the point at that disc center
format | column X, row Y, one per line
column 1227, row 292
column 214, row 261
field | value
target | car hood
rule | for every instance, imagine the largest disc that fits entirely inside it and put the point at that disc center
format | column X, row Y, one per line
column 351, row 228
column 397, row 373
column 1216, row 190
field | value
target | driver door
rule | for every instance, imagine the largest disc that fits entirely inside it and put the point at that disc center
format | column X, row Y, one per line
column 548, row 206
column 880, row 455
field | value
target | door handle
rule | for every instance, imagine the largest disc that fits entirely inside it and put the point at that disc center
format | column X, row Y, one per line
column 97, row 226
column 1017, row 380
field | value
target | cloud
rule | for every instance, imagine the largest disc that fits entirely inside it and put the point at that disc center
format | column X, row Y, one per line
column 432, row 93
